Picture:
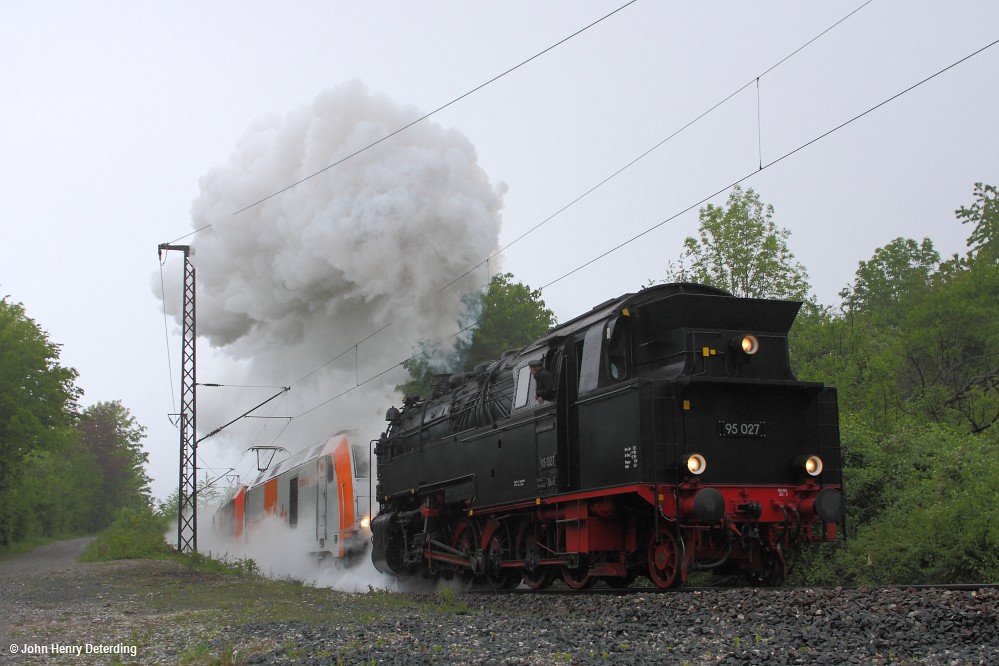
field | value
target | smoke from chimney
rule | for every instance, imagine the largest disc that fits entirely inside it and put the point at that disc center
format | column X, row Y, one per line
column 286, row 285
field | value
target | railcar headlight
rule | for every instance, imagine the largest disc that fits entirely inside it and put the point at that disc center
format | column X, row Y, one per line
column 366, row 522
column 749, row 345
column 812, row 464
column 696, row 464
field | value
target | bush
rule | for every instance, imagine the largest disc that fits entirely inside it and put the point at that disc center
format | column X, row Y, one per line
column 920, row 505
column 135, row 533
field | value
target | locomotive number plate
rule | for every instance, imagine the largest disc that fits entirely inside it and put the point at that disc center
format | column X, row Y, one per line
column 742, row 429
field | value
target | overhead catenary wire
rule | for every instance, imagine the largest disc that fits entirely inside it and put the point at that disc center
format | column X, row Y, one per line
column 166, row 333
column 610, row 251
column 359, row 383
column 421, row 118
column 663, row 142
column 354, row 347
column 685, row 210
column 764, row 167
column 613, row 175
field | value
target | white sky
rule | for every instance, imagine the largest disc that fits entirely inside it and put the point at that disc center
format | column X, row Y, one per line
column 112, row 111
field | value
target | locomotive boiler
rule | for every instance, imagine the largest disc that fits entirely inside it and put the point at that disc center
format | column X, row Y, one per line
column 661, row 433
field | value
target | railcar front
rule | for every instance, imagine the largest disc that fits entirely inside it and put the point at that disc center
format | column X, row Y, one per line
column 322, row 490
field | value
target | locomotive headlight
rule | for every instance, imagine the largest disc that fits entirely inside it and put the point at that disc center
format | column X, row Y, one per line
column 366, row 522
column 696, row 464
column 812, row 464
column 749, row 345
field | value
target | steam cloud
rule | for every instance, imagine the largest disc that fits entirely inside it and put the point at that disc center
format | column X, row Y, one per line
column 288, row 284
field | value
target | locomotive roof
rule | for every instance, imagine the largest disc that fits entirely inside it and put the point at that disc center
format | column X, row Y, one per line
column 646, row 295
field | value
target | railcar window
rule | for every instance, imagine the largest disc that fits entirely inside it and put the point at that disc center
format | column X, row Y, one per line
column 361, row 467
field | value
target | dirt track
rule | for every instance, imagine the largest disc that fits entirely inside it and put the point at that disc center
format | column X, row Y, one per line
column 48, row 597
column 37, row 578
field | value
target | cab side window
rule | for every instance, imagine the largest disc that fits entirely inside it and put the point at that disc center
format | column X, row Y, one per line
column 524, row 388
column 618, row 349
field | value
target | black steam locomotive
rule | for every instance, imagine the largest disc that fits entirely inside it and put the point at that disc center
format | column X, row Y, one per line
column 661, row 433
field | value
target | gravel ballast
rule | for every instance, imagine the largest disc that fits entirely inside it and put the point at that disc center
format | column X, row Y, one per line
column 171, row 614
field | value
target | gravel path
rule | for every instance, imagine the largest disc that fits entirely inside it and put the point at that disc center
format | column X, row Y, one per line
column 174, row 615
column 20, row 573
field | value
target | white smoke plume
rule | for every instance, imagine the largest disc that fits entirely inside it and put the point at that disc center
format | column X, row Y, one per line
column 288, row 284
column 281, row 552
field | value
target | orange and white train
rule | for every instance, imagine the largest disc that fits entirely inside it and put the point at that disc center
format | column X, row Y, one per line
column 324, row 489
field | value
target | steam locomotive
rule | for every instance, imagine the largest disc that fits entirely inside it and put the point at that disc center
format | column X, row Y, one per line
column 659, row 434
column 322, row 490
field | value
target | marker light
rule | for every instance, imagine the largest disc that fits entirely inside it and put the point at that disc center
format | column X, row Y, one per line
column 366, row 522
column 696, row 464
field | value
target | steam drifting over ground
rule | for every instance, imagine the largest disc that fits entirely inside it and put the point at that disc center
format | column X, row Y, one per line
column 282, row 552
column 288, row 284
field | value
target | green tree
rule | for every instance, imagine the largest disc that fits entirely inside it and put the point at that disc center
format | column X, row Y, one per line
column 865, row 350
column 951, row 345
column 984, row 215
column 915, row 355
column 110, row 433
column 37, row 405
column 742, row 250
column 511, row 316
column 508, row 315
column 895, row 274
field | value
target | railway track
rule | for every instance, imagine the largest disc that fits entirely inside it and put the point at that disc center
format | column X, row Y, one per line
column 642, row 590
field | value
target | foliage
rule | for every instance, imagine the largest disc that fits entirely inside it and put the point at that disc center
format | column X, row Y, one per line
column 211, row 495
column 915, row 355
column 37, row 403
column 226, row 566
column 742, row 250
column 984, row 215
column 61, row 472
column 896, row 273
column 916, row 337
column 134, row 533
column 508, row 315
column 446, row 601
column 112, row 436
column 921, row 501
column 512, row 315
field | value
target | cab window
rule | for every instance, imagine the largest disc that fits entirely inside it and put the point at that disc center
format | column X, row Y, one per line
column 524, row 381
column 618, row 349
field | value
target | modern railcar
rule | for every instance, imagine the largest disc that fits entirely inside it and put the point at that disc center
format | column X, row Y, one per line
column 323, row 490
column 661, row 433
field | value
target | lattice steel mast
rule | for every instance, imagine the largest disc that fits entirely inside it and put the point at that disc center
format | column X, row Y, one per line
column 187, row 494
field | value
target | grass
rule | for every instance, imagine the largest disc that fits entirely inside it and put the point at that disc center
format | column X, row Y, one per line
column 134, row 534
column 204, row 598
column 446, row 601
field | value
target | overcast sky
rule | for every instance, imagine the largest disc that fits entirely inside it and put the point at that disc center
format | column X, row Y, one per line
column 116, row 115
